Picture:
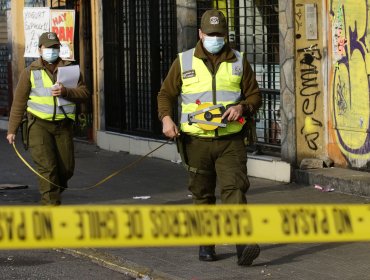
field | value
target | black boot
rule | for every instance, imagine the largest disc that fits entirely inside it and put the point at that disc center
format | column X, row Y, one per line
column 247, row 253
column 207, row 253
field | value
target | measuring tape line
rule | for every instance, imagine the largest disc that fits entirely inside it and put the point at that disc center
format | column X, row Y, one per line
column 98, row 183
column 30, row 227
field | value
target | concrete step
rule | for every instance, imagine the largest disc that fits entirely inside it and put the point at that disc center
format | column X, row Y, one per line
column 268, row 167
column 341, row 179
column 260, row 166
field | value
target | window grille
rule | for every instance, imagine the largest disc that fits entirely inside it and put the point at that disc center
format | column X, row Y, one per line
column 139, row 47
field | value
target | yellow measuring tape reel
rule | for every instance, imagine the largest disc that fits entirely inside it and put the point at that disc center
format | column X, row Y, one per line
column 27, row 227
column 209, row 119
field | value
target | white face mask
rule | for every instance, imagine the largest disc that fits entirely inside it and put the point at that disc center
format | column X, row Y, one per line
column 213, row 44
column 50, row 55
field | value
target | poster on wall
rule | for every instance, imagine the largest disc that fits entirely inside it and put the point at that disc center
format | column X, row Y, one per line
column 62, row 22
column 36, row 22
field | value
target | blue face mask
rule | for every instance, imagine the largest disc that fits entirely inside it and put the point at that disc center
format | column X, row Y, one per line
column 213, row 44
column 50, row 55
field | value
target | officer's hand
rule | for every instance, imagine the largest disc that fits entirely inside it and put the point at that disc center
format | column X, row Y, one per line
column 11, row 138
column 169, row 127
column 233, row 113
column 58, row 89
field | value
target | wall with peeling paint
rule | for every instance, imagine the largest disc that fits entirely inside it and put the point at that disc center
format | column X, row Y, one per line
column 287, row 81
column 349, row 87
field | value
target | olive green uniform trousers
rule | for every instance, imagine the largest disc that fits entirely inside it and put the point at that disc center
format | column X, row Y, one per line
column 220, row 161
column 51, row 147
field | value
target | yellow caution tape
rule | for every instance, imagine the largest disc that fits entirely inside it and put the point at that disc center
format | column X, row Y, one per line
column 26, row 227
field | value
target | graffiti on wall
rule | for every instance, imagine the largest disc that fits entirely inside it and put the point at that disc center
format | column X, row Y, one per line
column 298, row 20
column 349, row 89
column 309, row 123
column 309, row 92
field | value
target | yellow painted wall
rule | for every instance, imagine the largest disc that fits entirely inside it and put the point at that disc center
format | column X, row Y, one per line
column 227, row 9
column 98, row 64
column 309, row 85
column 349, row 88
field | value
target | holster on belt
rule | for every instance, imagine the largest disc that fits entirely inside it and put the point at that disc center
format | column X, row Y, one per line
column 26, row 123
column 181, row 149
column 180, row 145
column 24, row 131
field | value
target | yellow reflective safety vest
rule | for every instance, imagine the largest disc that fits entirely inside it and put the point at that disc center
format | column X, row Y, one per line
column 42, row 104
column 199, row 85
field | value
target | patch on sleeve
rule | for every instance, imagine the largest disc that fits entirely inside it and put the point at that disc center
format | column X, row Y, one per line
column 237, row 70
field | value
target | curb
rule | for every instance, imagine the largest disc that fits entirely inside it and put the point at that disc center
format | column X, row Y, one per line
column 342, row 180
column 118, row 264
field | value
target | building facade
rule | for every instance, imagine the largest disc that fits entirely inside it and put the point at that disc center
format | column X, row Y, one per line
column 310, row 59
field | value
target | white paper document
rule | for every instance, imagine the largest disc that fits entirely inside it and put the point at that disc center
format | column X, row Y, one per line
column 68, row 76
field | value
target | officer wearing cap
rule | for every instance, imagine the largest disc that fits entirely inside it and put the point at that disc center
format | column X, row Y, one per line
column 49, row 124
column 212, row 74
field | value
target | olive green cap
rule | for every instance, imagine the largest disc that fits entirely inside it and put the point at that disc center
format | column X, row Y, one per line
column 48, row 39
column 213, row 21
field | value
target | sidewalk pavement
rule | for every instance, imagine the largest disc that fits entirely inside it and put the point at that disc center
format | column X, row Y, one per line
column 164, row 182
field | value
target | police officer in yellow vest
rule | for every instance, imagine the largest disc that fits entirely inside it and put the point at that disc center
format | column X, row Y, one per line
column 217, row 88
column 50, row 126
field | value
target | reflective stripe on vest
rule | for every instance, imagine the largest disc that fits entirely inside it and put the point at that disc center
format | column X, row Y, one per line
column 197, row 86
column 41, row 103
